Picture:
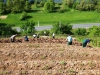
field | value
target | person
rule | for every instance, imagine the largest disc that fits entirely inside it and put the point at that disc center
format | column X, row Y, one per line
column 34, row 35
column 69, row 39
column 44, row 33
column 26, row 38
column 37, row 35
column 12, row 38
column 85, row 42
column 53, row 35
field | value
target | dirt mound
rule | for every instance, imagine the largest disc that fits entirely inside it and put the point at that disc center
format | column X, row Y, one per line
column 48, row 59
column 42, row 40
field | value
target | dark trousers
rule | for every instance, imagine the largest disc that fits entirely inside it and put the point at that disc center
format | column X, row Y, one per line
column 69, row 43
column 12, row 40
column 84, row 44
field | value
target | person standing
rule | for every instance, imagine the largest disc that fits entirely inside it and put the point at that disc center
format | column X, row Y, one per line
column 12, row 38
column 85, row 42
column 69, row 40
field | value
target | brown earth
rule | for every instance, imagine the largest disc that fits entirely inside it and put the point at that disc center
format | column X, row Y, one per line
column 3, row 17
column 47, row 57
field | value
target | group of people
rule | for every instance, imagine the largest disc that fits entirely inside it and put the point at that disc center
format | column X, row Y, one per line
column 69, row 39
column 84, row 43
column 12, row 38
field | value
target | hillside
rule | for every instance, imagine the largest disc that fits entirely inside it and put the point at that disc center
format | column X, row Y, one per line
column 47, row 58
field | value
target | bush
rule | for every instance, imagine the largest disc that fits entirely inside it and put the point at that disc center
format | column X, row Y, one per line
column 62, row 28
column 6, row 29
column 23, row 16
column 42, row 32
column 94, row 31
column 48, row 6
column 79, row 31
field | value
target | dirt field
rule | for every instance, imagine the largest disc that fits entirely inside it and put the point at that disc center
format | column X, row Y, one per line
column 3, row 17
column 47, row 57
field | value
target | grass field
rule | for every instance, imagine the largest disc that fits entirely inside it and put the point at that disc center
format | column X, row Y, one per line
column 51, row 18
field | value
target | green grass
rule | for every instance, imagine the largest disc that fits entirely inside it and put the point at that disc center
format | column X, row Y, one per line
column 51, row 18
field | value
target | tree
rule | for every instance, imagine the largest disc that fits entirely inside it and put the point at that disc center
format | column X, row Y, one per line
column 69, row 3
column 94, row 31
column 62, row 28
column 6, row 29
column 80, row 31
column 27, row 6
column 35, row 3
column 95, row 2
column 9, row 6
column 2, row 7
column 56, row 28
column 49, row 6
column 28, row 28
column 66, row 28
column 16, row 6
column 22, row 4
column 23, row 16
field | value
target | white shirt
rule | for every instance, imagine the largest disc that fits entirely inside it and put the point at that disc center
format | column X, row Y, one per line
column 34, row 35
column 69, row 38
column 53, row 34
column 13, row 36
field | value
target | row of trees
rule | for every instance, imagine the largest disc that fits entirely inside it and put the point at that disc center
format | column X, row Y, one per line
column 17, row 6
column 14, row 6
column 29, row 28
column 67, row 29
column 6, row 29
column 26, row 28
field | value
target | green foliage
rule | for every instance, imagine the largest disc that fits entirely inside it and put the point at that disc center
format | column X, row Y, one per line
column 9, row 6
column 16, row 6
column 79, row 31
column 28, row 28
column 63, row 8
column 42, row 32
column 6, row 29
column 66, row 28
column 46, row 7
column 56, row 28
column 49, row 6
column 23, row 16
column 97, row 7
column 69, row 3
column 85, row 6
column 41, row 3
column 94, row 31
column 35, row 3
column 2, row 8
column 62, row 28
column 27, row 6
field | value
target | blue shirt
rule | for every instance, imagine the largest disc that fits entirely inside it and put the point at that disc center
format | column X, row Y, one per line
column 86, row 41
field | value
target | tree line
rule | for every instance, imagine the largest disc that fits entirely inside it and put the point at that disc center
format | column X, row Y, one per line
column 17, row 6
column 64, row 28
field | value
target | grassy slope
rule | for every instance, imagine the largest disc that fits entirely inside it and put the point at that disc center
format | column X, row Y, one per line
column 51, row 18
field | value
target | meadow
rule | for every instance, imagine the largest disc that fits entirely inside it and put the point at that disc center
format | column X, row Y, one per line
column 72, row 17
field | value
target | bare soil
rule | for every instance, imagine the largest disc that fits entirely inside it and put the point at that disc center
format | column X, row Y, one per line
column 47, row 57
column 3, row 17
